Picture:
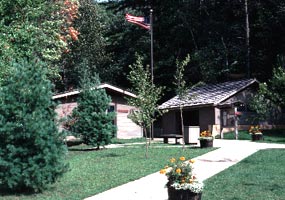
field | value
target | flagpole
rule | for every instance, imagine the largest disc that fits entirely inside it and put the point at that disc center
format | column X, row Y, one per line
column 151, row 60
column 151, row 44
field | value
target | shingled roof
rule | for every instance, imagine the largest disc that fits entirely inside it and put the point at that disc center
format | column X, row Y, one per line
column 211, row 94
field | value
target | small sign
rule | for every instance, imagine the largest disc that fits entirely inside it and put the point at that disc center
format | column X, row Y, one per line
column 237, row 113
column 122, row 111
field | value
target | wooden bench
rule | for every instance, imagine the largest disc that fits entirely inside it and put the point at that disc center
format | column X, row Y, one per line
column 166, row 136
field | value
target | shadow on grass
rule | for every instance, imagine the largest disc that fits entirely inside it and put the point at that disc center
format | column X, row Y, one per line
column 272, row 141
column 113, row 155
column 274, row 133
column 23, row 192
column 82, row 149
column 109, row 155
column 187, row 146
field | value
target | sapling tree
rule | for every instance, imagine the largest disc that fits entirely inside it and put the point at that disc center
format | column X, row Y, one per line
column 93, row 123
column 181, row 90
column 147, row 97
column 32, row 150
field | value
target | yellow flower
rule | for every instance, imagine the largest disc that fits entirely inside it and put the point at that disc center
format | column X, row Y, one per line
column 178, row 170
column 206, row 134
column 162, row 171
column 166, row 167
column 192, row 161
column 182, row 158
column 191, row 181
column 172, row 160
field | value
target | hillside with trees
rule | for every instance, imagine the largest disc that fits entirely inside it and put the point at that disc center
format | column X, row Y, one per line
column 226, row 40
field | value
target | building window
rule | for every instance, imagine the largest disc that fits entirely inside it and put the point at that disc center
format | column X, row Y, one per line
column 111, row 108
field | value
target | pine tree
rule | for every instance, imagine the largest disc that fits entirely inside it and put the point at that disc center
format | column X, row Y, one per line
column 31, row 148
column 93, row 122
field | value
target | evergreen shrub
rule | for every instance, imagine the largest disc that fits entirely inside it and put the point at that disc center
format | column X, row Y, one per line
column 31, row 149
column 93, row 123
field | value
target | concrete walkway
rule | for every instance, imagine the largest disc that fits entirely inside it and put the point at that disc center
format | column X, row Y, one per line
column 152, row 187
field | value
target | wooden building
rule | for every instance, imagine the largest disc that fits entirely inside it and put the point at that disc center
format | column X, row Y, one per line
column 212, row 106
column 125, row 127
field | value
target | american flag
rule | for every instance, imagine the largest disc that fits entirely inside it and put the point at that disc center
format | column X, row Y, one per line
column 141, row 21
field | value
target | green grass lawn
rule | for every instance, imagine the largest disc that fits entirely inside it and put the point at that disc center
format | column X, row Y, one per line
column 126, row 141
column 258, row 177
column 271, row 136
column 92, row 172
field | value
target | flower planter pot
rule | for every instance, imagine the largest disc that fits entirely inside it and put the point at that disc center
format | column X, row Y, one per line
column 174, row 194
column 206, row 143
column 256, row 137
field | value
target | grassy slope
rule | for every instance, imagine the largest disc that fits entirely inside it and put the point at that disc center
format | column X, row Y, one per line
column 258, row 177
column 92, row 172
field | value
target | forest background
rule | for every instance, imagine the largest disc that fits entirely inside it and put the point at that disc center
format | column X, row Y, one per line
column 226, row 40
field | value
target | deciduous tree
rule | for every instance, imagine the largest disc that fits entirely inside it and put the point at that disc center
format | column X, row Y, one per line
column 270, row 99
column 147, row 97
column 181, row 90
column 90, row 49
column 41, row 29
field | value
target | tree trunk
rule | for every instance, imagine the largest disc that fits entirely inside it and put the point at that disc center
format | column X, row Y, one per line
column 182, row 128
column 146, row 143
column 226, row 52
column 150, row 134
column 236, row 124
column 247, row 39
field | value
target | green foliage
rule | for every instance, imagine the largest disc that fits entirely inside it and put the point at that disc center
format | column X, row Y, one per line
column 260, row 104
column 180, row 83
column 270, row 99
column 30, row 29
column 181, row 89
column 124, row 39
column 93, row 121
column 90, row 50
column 147, row 95
column 212, row 64
column 212, row 32
column 277, row 86
column 31, row 150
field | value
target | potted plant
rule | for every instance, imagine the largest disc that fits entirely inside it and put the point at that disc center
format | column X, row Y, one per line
column 255, row 132
column 182, row 183
column 206, row 139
